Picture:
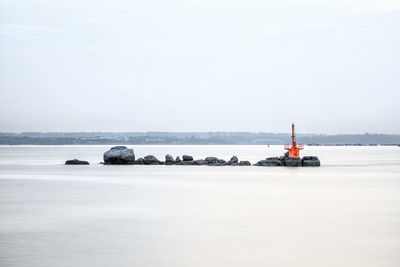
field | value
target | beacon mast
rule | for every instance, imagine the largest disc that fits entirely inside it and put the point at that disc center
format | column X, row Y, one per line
column 294, row 149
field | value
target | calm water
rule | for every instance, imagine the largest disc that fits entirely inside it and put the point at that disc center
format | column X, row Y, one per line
column 345, row 213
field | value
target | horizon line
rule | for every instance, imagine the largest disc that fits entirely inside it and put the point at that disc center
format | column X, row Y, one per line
column 187, row 132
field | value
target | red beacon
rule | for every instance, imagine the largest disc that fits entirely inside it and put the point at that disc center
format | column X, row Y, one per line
column 294, row 149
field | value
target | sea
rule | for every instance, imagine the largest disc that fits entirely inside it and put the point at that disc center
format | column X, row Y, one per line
column 344, row 213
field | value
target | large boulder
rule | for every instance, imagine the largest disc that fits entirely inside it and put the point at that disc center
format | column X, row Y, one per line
column 310, row 161
column 151, row 160
column 169, row 159
column 292, row 162
column 187, row 158
column 76, row 162
column 119, row 155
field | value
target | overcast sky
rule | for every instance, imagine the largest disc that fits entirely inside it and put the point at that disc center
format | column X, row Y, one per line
column 200, row 65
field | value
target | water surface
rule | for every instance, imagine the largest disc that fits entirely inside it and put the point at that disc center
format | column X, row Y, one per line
column 345, row 213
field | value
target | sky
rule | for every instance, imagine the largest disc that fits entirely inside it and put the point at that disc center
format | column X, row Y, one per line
column 330, row 66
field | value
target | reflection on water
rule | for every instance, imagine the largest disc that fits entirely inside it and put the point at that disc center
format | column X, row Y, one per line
column 345, row 213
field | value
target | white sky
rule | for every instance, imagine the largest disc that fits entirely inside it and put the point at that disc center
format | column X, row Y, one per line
column 200, row 65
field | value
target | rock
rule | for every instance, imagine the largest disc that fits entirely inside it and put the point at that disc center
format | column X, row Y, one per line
column 76, row 162
column 259, row 163
column 169, row 159
column 233, row 160
column 139, row 161
column 281, row 158
column 310, row 158
column 119, row 155
column 274, row 161
column 286, row 155
column 216, row 164
column 187, row 158
column 292, row 162
column 151, row 160
column 178, row 159
column 244, row 163
column 310, row 161
column 211, row 160
column 267, row 163
column 200, row 162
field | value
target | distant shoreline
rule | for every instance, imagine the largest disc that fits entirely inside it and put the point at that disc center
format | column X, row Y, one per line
column 196, row 138
column 126, row 144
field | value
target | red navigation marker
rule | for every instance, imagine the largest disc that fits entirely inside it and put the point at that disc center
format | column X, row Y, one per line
column 294, row 149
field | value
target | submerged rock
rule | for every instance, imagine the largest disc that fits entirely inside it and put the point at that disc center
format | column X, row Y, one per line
column 76, row 162
column 119, row 155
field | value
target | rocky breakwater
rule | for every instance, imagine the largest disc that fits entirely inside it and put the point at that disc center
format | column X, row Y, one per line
column 209, row 161
column 122, row 155
column 306, row 161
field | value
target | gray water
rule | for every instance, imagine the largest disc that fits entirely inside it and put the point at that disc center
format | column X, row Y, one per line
column 345, row 213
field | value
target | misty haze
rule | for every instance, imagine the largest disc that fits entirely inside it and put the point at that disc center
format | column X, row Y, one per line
column 199, row 133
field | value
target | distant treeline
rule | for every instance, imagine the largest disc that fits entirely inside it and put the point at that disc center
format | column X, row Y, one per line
column 193, row 138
